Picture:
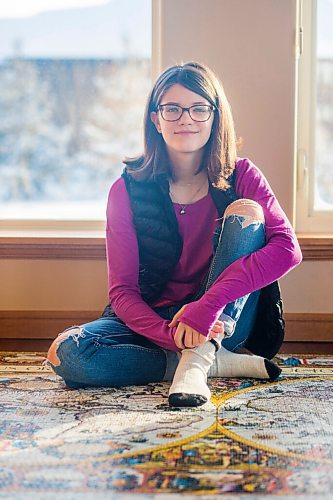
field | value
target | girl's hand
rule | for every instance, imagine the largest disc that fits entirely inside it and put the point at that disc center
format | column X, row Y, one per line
column 186, row 337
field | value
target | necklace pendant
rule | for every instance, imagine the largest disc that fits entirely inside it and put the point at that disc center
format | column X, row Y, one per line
column 182, row 211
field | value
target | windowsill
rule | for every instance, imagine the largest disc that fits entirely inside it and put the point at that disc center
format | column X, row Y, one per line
column 91, row 246
column 316, row 246
column 53, row 246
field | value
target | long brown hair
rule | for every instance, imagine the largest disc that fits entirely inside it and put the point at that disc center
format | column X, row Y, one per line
column 220, row 150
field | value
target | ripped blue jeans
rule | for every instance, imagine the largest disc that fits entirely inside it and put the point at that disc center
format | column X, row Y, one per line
column 106, row 352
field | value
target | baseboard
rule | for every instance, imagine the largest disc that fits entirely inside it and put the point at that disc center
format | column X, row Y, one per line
column 41, row 324
column 300, row 327
column 309, row 327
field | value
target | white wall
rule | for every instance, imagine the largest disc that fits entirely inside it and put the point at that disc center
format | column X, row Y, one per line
column 52, row 285
column 251, row 46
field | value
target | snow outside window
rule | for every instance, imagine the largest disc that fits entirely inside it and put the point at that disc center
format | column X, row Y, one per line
column 315, row 119
column 74, row 78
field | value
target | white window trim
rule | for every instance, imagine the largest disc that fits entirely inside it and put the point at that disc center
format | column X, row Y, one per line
column 308, row 220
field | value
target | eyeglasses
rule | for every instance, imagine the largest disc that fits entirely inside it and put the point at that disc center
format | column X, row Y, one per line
column 198, row 112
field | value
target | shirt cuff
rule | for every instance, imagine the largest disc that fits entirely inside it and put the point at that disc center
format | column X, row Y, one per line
column 200, row 317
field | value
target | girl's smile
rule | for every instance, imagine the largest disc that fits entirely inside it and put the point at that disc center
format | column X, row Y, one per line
column 184, row 132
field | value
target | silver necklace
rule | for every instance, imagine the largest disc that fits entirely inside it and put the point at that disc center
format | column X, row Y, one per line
column 182, row 206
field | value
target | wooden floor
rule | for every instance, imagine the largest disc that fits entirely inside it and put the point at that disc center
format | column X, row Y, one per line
column 41, row 345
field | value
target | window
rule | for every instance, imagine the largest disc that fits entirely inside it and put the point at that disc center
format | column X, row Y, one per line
column 74, row 77
column 315, row 119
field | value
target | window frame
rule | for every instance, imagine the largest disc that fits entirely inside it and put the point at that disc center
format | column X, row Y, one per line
column 308, row 220
column 69, row 239
column 66, row 238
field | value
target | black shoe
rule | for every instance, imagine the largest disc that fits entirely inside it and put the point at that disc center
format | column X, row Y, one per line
column 273, row 370
column 183, row 400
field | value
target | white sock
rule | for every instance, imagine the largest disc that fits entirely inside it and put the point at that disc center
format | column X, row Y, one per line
column 189, row 386
column 231, row 364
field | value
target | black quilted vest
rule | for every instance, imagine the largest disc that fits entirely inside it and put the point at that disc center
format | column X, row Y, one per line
column 160, row 247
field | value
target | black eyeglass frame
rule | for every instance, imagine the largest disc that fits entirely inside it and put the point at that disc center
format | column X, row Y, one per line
column 212, row 109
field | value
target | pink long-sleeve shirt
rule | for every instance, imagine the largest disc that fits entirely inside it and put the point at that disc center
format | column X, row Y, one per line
column 252, row 272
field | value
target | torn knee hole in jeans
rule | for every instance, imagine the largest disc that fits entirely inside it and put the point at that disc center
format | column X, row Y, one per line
column 75, row 332
column 244, row 220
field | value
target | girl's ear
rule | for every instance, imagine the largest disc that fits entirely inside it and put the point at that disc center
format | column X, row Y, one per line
column 155, row 119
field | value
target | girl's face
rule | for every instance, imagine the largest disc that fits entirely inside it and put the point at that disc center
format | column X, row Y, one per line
column 184, row 135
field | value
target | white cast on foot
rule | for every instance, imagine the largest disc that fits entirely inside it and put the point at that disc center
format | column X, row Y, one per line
column 231, row 364
column 190, row 378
